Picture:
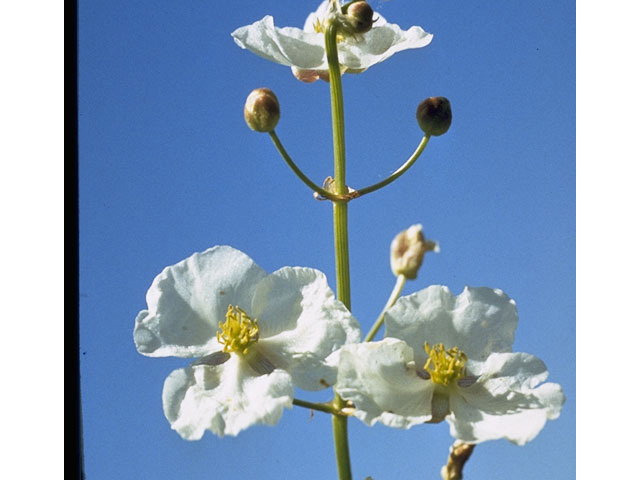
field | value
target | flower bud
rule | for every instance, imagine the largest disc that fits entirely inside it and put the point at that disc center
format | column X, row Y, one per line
column 359, row 17
column 262, row 110
column 434, row 115
column 407, row 251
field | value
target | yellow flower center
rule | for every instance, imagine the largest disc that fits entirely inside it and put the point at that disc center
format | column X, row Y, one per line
column 238, row 332
column 444, row 366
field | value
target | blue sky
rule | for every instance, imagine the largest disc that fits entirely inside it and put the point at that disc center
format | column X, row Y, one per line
column 168, row 167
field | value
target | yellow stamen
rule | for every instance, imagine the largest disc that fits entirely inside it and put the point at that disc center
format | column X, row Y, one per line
column 238, row 332
column 445, row 366
column 318, row 26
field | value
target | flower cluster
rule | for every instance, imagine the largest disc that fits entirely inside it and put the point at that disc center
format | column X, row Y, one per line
column 254, row 336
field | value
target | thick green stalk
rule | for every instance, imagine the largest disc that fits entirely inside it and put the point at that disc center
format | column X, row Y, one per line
column 341, row 235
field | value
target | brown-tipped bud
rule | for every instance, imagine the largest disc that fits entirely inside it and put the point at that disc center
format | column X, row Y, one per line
column 459, row 453
column 407, row 251
column 262, row 110
column 434, row 115
column 360, row 17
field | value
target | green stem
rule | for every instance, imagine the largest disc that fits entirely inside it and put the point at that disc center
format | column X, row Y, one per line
column 341, row 235
column 395, row 294
column 300, row 174
column 399, row 171
column 321, row 407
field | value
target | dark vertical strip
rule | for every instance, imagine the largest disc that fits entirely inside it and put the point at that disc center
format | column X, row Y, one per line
column 73, row 406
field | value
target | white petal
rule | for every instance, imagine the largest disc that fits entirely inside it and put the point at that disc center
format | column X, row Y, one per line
column 287, row 46
column 507, row 401
column 187, row 300
column 301, row 323
column 224, row 399
column 380, row 379
column 479, row 321
column 381, row 42
column 304, row 49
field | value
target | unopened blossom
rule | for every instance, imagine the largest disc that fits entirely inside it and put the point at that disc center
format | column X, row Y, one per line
column 262, row 110
column 448, row 357
column 304, row 49
column 434, row 116
column 253, row 335
column 408, row 249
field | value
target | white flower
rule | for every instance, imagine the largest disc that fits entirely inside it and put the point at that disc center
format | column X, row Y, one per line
column 304, row 50
column 255, row 336
column 465, row 373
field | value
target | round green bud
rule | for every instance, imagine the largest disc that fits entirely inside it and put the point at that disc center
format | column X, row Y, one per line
column 434, row 115
column 262, row 110
column 360, row 17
